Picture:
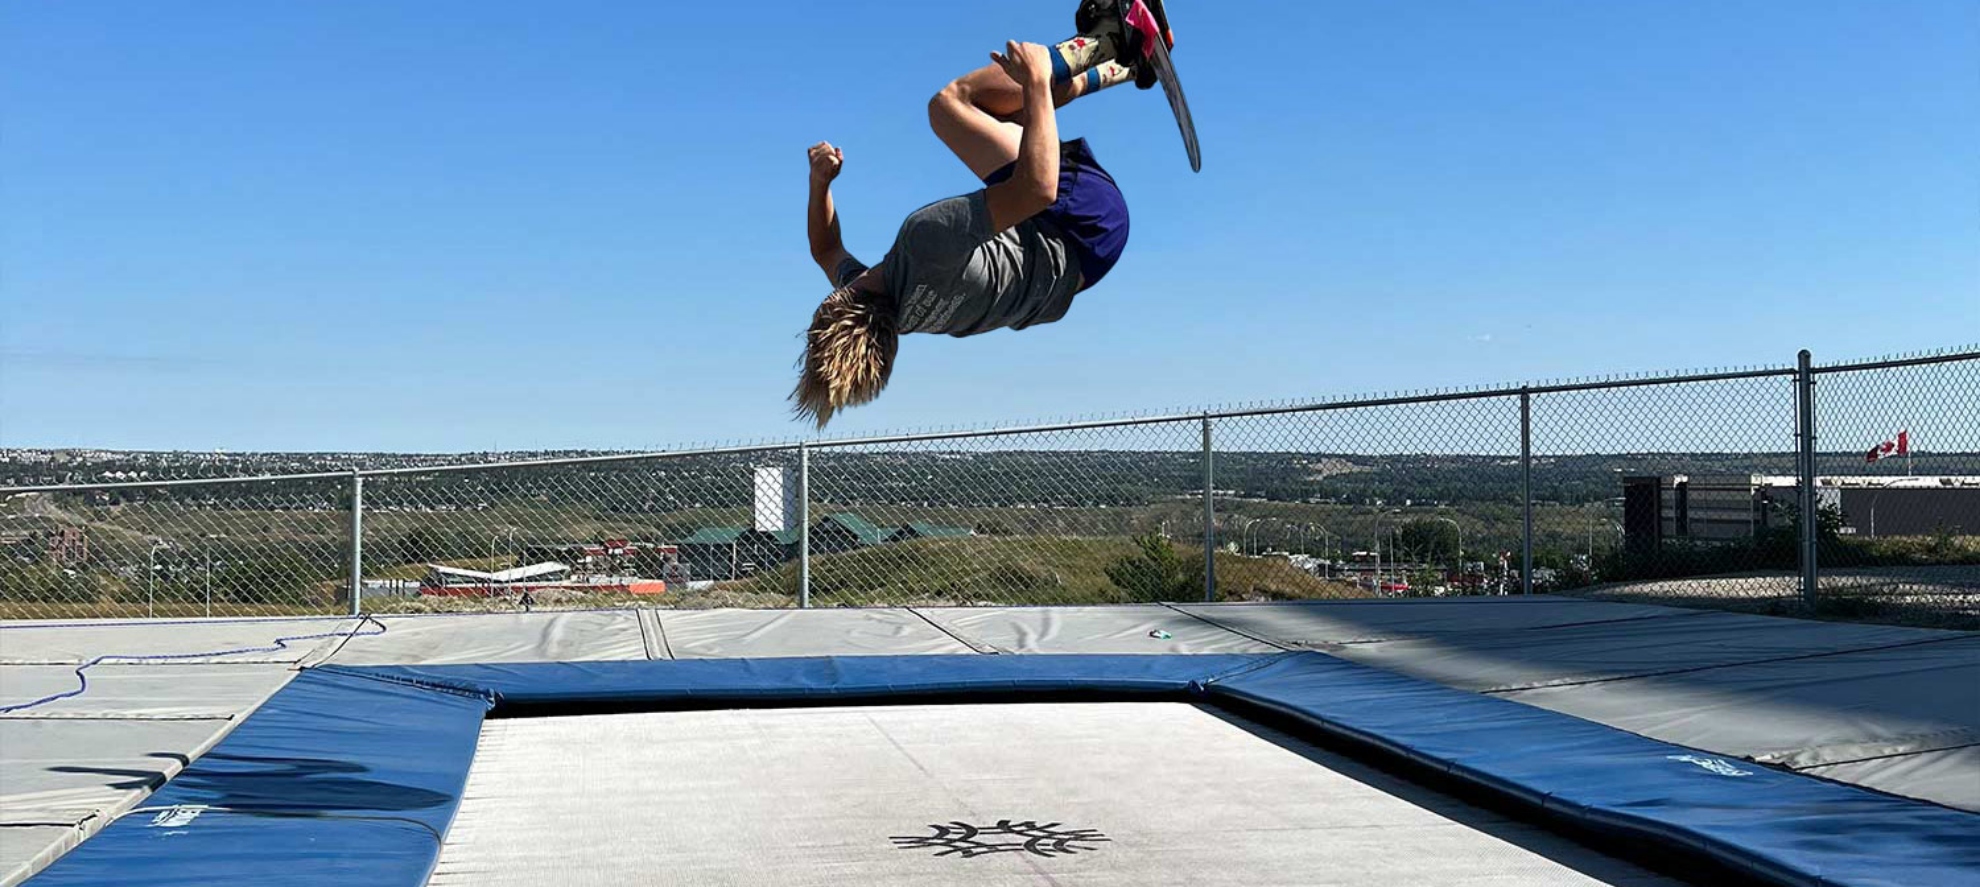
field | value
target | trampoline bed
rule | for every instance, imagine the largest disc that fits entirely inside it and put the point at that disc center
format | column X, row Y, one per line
column 1017, row 794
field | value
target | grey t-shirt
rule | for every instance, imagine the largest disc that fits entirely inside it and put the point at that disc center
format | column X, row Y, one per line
column 948, row 274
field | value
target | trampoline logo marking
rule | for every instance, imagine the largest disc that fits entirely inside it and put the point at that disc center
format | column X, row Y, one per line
column 177, row 817
column 967, row 841
column 1716, row 765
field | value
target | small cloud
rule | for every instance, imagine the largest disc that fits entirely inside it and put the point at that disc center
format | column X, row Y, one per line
column 1481, row 337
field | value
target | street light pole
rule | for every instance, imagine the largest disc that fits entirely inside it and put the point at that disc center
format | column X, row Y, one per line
column 209, row 570
column 1262, row 522
column 1460, row 542
column 1900, row 483
column 511, row 531
column 1326, row 541
column 1244, row 532
column 1378, row 557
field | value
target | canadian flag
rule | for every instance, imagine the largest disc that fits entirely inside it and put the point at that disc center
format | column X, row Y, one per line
column 1889, row 448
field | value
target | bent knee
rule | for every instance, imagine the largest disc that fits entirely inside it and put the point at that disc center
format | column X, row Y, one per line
column 948, row 102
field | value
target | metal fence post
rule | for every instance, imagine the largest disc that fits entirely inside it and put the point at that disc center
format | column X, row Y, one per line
column 357, row 543
column 1526, row 490
column 1804, row 383
column 804, row 525
column 1209, row 515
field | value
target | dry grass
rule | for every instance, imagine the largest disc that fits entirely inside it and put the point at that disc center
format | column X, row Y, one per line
column 1012, row 570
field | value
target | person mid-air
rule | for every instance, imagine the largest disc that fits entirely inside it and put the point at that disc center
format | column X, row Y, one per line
column 1048, row 223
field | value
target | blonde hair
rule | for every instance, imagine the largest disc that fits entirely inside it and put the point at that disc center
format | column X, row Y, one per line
column 848, row 354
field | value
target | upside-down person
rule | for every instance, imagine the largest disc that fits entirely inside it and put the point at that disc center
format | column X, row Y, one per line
column 1048, row 223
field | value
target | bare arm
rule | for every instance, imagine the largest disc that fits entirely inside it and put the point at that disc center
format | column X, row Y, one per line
column 1034, row 184
column 821, row 215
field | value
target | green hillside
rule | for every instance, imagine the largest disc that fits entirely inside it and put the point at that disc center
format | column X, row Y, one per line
column 1011, row 570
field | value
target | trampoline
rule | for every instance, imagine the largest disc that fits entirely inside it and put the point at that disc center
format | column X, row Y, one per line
column 1024, row 793
column 980, row 769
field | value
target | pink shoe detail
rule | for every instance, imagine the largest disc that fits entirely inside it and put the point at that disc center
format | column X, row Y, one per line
column 1139, row 18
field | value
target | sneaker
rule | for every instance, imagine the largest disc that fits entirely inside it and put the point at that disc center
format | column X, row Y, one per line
column 1094, row 17
column 1130, row 24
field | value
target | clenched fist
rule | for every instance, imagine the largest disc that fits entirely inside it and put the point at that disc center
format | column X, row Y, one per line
column 826, row 161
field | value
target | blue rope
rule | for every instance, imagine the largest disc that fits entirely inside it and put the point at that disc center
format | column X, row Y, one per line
column 279, row 644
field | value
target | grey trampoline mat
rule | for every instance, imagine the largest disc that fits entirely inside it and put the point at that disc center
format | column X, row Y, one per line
column 873, row 795
column 62, row 778
column 1324, row 624
column 761, row 634
column 577, row 636
column 141, row 692
column 1524, row 659
column 47, row 643
column 1133, row 628
column 25, row 849
column 1949, row 776
column 1799, row 713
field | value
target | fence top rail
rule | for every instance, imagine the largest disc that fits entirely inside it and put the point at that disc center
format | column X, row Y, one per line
column 175, row 482
column 606, row 459
column 1956, row 356
column 1352, row 403
column 1314, row 407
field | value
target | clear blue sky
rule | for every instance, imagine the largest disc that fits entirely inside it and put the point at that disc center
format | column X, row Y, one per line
column 467, row 225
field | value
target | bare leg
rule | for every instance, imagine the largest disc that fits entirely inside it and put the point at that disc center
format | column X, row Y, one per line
column 965, row 116
column 972, row 115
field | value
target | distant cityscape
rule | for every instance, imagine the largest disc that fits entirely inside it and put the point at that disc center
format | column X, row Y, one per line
column 27, row 466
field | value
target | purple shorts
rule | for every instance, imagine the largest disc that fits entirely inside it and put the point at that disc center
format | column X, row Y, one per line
column 1090, row 214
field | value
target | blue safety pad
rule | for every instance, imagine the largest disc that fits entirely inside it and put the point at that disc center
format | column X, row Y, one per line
column 337, row 780
column 823, row 678
column 1769, row 823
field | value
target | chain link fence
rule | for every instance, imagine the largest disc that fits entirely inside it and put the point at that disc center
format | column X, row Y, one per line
column 1897, row 479
column 1676, row 489
column 256, row 547
column 1672, row 492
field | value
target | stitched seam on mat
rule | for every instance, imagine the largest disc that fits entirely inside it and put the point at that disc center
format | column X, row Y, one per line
column 1432, row 635
column 1683, row 614
column 1222, row 627
column 1885, row 757
column 362, row 619
column 1741, row 664
column 660, row 628
column 984, row 647
column 1268, row 660
column 646, row 648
